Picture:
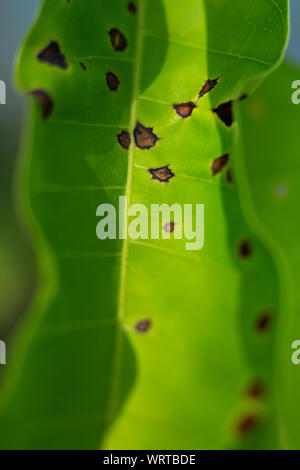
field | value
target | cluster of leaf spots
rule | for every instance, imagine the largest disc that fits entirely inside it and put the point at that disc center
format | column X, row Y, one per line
column 246, row 423
column 184, row 110
column 145, row 139
column 249, row 422
column 52, row 56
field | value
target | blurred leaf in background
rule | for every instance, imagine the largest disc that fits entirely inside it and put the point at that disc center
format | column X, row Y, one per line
column 17, row 267
column 269, row 167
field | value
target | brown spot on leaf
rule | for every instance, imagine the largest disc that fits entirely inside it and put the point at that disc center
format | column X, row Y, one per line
column 219, row 163
column 169, row 227
column 255, row 390
column 245, row 249
column 52, row 55
column 45, row 101
column 118, row 40
column 132, row 8
column 264, row 322
column 83, row 66
column 163, row 174
column 112, row 81
column 229, row 175
column 143, row 325
column 144, row 137
column 124, row 139
column 208, row 86
column 184, row 110
column 224, row 112
column 247, row 424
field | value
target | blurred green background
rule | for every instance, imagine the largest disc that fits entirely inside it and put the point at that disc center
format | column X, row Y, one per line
column 18, row 275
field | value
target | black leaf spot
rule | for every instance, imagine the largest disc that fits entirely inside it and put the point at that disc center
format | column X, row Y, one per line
column 143, row 325
column 224, row 112
column 132, row 8
column 45, row 101
column 53, row 56
column 83, row 66
column 118, row 40
column 245, row 249
column 112, row 81
column 163, row 174
column 264, row 322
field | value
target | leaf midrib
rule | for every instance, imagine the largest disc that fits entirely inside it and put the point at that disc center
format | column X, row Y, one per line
column 115, row 382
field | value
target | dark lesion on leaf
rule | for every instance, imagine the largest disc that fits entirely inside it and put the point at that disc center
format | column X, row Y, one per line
column 112, row 81
column 162, row 174
column 132, row 8
column 83, row 66
column 247, row 424
column 143, row 326
column 208, row 86
column 184, row 110
column 264, row 322
column 52, row 55
column 229, row 176
column 124, row 139
column 219, row 163
column 169, row 227
column 255, row 390
column 225, row 113
column 118, row 40
column 225, row 110
column 144, row 137
column 245, row 249
column 45, row 102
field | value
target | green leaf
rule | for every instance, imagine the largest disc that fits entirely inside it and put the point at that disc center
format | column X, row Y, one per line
column 269, row 177
column 85, row 375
